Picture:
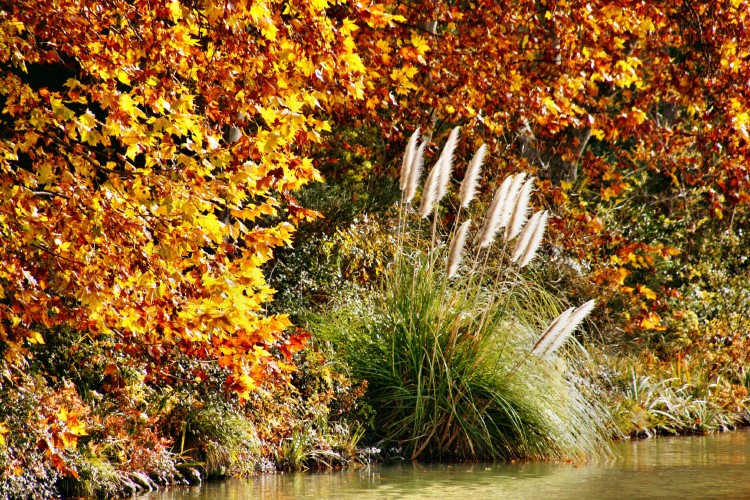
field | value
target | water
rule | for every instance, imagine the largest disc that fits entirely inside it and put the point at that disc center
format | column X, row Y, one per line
column 716, row 466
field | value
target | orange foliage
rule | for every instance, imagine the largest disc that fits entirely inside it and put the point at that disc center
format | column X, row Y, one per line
column 147, row 152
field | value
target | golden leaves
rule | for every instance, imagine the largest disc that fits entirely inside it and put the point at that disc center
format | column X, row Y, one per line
column 404, row 79
column 67, row 429
column 242, row 384
column 646, row 292
column 4, row 430
column 651, row 321
column 348, row 27
column 130, row 213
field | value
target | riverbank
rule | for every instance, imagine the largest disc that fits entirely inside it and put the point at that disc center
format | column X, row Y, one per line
column 665, row 467
column 83, row 429
column 325, row 428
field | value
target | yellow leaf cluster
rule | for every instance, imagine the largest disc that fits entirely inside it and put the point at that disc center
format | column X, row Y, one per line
column 3, row 431
column 125, row 204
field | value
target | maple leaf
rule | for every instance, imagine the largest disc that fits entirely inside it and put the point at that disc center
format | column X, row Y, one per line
column 4, row 430
column 294, row 343
column 241, row 384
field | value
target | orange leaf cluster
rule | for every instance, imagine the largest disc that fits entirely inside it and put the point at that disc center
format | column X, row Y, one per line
column 147, row 156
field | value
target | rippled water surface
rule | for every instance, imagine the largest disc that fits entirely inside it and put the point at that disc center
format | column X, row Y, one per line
column 716, row 466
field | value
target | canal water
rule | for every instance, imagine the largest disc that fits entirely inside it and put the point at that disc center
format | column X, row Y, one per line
column 714, row 466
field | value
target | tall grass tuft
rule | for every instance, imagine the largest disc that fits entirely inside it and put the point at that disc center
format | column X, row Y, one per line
column 454, row 360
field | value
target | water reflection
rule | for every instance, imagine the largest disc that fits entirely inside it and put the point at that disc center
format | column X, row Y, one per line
column 690, row 467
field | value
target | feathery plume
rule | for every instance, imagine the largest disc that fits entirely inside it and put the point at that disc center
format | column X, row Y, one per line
column 569, row 326
column 491, row 219
column 520, row 210
column 457, row 246
column 469, row 184
column 406, row 163
column 535, row 241
column 552, row 331
column 429, row 191
column 446, row 162
column 506, row 209
column 575, row 319
column 525, row 237
column 415, row 172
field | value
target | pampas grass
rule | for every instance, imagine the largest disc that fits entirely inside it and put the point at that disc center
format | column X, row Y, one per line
column 429, row 193
column 442, row 386
column 520, row 210
column 452, row 356
column 530, row 238
column 567, row 327
column 407, row 162
column 446, row 165
column 523, row 239
column 415, row 172
column 510, row 201
column 552, row 332
column 536, row 240
column 493, row 220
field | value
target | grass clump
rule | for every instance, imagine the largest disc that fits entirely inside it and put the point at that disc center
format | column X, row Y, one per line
column 454, row 357
column 218, row 439
column 651, row 397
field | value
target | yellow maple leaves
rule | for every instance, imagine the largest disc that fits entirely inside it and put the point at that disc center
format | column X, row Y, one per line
column 651, row 321
column 125, row 206
column 404, row 79
column 67, row 427
column 4, row 430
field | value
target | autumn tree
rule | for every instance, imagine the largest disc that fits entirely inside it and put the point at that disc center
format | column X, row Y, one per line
column 149, row 150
